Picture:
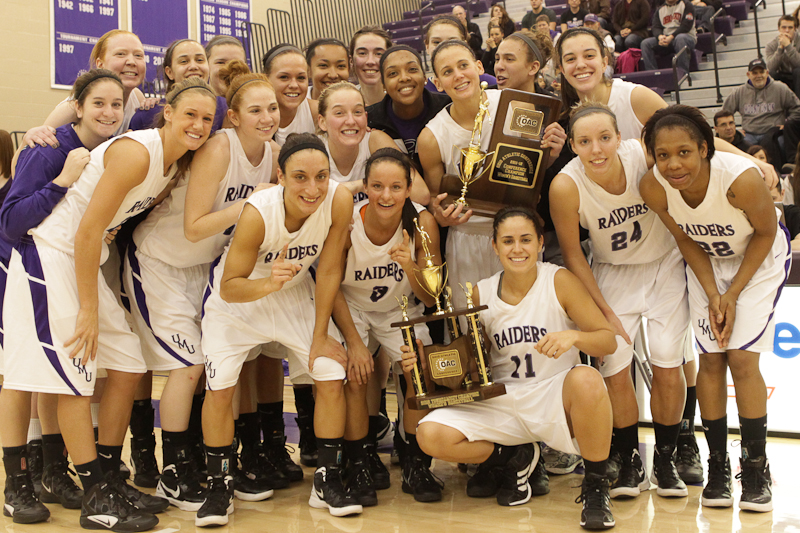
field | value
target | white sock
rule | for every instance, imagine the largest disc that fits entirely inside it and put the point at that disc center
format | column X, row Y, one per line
column 34, row 430
column 95, row 407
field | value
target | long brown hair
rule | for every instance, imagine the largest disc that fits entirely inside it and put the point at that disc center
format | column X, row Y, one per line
column 6, row 153
column 569, row 96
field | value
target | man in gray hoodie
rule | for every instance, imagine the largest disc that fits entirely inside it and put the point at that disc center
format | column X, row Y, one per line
column 783, row 54
column 765, row 104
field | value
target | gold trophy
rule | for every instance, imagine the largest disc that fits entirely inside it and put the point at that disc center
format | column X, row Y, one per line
column 455, row 373
column 472, row 158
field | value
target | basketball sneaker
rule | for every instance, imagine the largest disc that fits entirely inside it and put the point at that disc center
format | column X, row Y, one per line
column 377, row 470
column 632, row 478
column 539, row 479
column 278, row 456
column 665, row 475
column 21, row 503
column 513, row 487
column 308, row 441
column 483, row 484
column 59, row 487
column 328, row 493
column 359, row 484
column 558, row 462
column 104, row 507
column 218, row 504
column 756, row 484
column 35, row 455
column 420, row 481
column 180, row 488
column 717, row 492
column 687, row 460
column 142, row 501
column 143, row 459
column 596, row 513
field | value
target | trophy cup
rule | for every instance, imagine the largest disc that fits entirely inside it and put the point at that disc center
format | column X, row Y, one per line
column 472, row 158
column 455, row 373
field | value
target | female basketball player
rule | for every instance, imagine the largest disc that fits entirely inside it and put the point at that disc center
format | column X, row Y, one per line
column 43, row 176
column 328, row 63
column 220, row 51
column 166, row 267
column 444, row 28
column 262, row 291
column 124, row 177
column 287, row 70
column 343, row 124
column 539, row 317
column 722, row 216
column 636, row 271
column 520, row 57
column 366, row 48
column 383, row 251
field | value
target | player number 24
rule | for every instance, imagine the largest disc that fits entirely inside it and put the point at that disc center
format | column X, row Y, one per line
column 620, row 240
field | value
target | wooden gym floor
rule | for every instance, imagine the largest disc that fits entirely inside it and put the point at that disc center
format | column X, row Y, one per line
column 288, row 510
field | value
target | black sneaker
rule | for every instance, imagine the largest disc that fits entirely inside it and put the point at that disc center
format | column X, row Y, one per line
column 21, row 502
column 328, row 493
column 632, row 478
column 278, row 456
column 218, row 504
column 249, row 487
column 308, row 441
column 483, row 484
column 124, row 471
column 596, row 513
column 143, row 459
column 665, row 475
column 197, row 456
column 359, row 484
column 420, row 481
column 614, row 464
column 59, row 487
column 687, row 460
column 514, row 488
column 35, row 455
column 717, row 492
column 377, row 470
column 142, row 501
column 756, row 485
column 539, row 479
column 103, row 507
column 180, row 488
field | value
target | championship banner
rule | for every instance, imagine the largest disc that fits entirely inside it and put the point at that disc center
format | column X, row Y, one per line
column 158, row 23
column 75, row 27
column 221, row 17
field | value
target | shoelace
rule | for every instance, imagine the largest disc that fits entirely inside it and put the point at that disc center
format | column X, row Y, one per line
column 420, row 470
column 752, row 476
column 593, row 493
column 24, row 490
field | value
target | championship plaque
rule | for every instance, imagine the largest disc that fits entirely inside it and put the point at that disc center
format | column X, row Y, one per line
column 455, row 373
column 515, row 164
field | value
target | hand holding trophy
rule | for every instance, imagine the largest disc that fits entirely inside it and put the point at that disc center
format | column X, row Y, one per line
column 455, row 373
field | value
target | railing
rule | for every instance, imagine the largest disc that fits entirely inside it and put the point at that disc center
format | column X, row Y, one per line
column 686, row 77
column 758, row 37
column 17, row 136
column 254, row 39
column 714, row 41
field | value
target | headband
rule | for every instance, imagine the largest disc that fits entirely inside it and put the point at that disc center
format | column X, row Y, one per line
column 286, row 153
column 532, row 45
column 279, row 50
column 589, row 110
column 98, row 77
column 242, row 85
column 205, row 87
column 398, row 48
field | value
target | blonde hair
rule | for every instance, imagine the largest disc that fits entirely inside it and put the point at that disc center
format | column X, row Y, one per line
column 326, row 95
column 101, row 46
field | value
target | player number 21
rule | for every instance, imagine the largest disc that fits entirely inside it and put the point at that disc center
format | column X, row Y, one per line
column 529, row 372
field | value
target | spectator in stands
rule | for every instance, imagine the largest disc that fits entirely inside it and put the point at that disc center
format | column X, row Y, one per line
column 630, row 20
column 703, row 11
column 572, row 17
column 474, row 36
column 531, row 18
column 500, row 16
column 758, row 152
column 783, row 54
column 673, row 29
column 592, row 22
column 725, row 127
column 543, row 27
column 494, row 40
column 601, row 8
column 767, row 106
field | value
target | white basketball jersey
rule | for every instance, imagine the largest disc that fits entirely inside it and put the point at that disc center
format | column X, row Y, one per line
column 58, row 230
column 514, row 330
column 357, row 171
column 619, row 100
column 371, row 279
column 719, row 228
column 305, row 244
column 303, row 123
column 623, row 230
column 452, row 138
column 161, row 235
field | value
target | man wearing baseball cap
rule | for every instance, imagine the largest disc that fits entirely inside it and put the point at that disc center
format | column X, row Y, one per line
column 765, row 104
column 592, row 22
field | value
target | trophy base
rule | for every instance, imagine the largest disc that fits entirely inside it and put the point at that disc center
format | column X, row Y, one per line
column 456, row 397
column 479, row 207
